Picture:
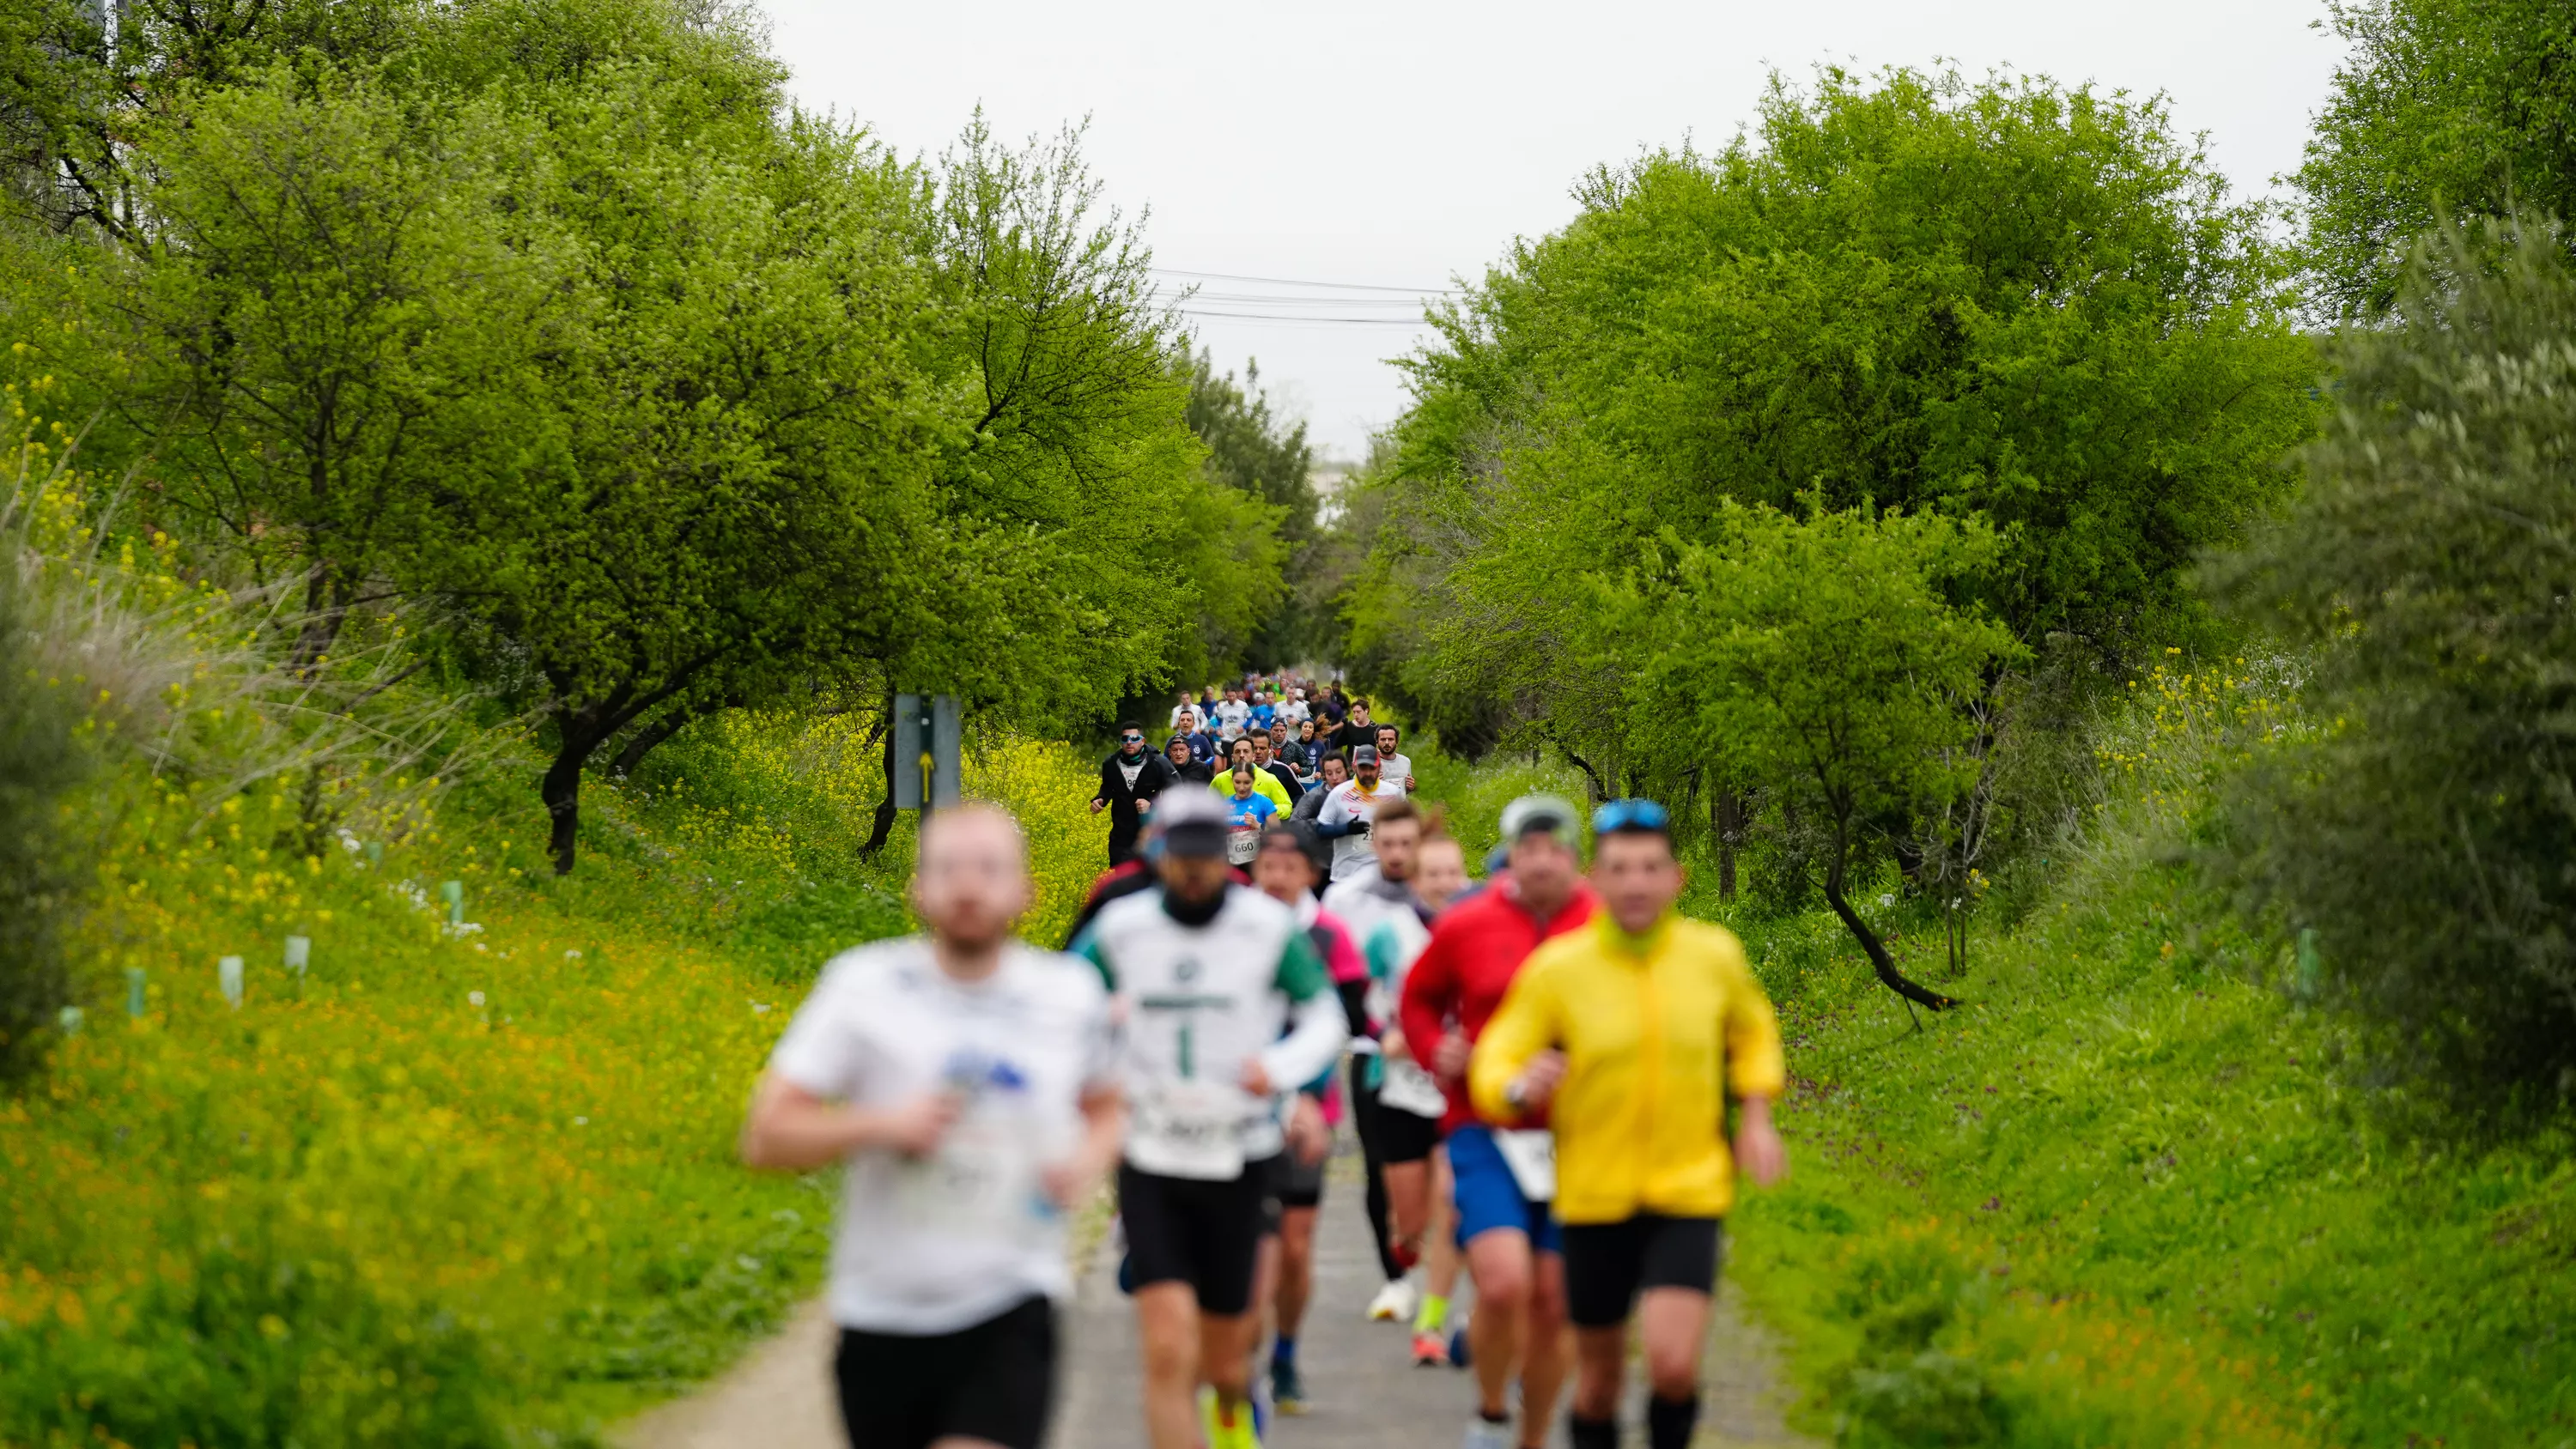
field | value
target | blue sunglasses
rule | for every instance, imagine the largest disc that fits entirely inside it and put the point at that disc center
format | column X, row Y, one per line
column 1621, row 815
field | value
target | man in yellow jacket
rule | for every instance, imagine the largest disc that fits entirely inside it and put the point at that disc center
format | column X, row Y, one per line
column 1632, row 1033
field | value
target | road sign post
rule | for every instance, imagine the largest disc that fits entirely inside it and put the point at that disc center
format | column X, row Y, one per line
column 925, row 751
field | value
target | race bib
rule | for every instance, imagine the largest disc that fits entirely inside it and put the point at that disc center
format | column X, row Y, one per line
column 982, row 1182
column 1411, row 1088
column 1530, row 1152
column 1190, row 1129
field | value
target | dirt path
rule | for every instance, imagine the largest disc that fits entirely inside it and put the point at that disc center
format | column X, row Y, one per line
column 1366, row 1394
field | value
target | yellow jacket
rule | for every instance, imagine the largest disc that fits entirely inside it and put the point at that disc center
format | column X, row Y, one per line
column 1655, row 1033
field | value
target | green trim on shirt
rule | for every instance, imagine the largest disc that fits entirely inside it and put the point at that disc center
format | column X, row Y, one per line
column 1301, row 975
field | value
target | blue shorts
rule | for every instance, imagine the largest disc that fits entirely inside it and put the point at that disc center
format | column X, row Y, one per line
column 1489, row 1197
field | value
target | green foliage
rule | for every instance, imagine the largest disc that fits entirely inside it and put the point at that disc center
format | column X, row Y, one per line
column 2007, row 300
column 2139, row 1193
column 548, row 321
column 1818, row 656
column 1258, row 454
column 2425, row 835
column 40, row 761
column 2441, row 109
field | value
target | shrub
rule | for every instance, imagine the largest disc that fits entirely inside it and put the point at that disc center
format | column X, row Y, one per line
column 2425, row 834
column 39, row 762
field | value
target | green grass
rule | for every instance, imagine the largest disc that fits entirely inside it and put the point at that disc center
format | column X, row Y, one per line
column 2137, row 1193
column 450, row 1188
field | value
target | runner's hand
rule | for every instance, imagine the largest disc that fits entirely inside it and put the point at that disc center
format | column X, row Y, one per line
column 1254, row 1079
column 1758, row 1149
column 1540, row 1078
column 1449, row 1059
column 914, row 1129
column 1098, row 804
column 1390, row 1044
column 1065, row 1183
column 1308, row 1137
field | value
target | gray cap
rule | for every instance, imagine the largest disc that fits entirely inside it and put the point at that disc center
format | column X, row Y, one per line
column 1363, row 755
column 1542, row 815
column 1190, row 821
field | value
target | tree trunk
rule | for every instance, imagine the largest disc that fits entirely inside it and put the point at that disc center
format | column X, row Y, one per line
column 1726, row 817
column 1879, row 960
column 581, row 735
column 884, row 824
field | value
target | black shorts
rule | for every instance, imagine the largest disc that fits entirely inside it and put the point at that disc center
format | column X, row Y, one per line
column 1300, row 1184
column 1608, row 1264
column 993, row 1381
column 1204, row 1234
column 1404, row 1136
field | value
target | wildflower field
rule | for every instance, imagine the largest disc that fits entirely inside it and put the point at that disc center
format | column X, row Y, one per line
column 467, row 1178
column 2135, row 1192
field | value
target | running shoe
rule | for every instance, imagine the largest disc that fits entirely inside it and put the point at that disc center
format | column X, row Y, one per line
column 1394, row 1303
column 1287, row 1389
column 1458, row 1346
column 1484, row 1433
column 1429, row 1351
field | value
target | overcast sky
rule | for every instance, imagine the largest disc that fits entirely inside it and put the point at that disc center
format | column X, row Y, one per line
column 1403, row 144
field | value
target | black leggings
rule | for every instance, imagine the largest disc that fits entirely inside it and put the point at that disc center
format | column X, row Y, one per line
column 1364, row 1119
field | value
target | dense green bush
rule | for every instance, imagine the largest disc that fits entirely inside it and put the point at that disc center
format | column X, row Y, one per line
column 2426, row 834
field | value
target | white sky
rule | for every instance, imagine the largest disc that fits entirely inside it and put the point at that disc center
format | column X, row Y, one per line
column 1405, row 143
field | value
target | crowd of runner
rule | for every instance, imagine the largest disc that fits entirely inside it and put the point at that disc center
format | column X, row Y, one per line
column 1540, row 1070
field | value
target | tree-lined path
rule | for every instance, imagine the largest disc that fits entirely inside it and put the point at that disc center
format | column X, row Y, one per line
column 1366, row 1396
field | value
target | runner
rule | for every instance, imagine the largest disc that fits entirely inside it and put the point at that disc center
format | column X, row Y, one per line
column 1248, row 813
column 1263, row 782
column 1355, row 731
column 1285, row 873
column 1129, row 780
column 1439, row 880
column 1206, row 974
column 1346, row 812
column 969, row 1081
column 1330, row 772
column 1186, row 766
column 1391, row 763
column 1379, row 906
column 1630, row 1036
column 1509, row 1236
column 1264, row 754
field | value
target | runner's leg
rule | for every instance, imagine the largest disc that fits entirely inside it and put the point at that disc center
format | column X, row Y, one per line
column 1364, row 1111
column 1672, row 1323
column 1167, row 1323
column 1296, row 1269
column 1499, row 1262
column 1546, row 1348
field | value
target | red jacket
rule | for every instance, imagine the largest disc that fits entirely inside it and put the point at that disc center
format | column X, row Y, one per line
column 1475, row 949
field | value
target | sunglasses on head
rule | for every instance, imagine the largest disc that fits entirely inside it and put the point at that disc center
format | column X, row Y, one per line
column 1621, row 815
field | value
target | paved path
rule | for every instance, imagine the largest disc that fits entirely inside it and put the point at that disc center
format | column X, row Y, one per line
column 1366, row 1393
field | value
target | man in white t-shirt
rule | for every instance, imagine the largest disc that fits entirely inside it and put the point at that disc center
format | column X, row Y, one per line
column 970, row 1083
column 1232, row 712
column 1392, row 764
column 1344, row 818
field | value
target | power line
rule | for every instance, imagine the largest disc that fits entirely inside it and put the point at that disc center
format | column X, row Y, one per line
column 1275, row 300
column 1296, row 282
column 1275, row 317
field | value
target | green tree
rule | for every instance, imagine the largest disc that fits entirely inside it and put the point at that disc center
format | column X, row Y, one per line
column 2008, row 300
column 1261, row 455
column 2441, row 109
column 330, row 328
column 2425, row 833
column 1821, row 656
